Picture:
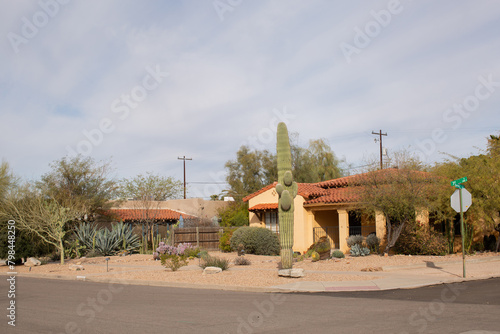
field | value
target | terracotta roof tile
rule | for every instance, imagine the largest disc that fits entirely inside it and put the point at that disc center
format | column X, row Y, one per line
column 138, row 214
column 264, row 207
column 336, row 195
column 305, row 190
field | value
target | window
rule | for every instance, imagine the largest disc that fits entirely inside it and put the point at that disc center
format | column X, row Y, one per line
column 271, row 220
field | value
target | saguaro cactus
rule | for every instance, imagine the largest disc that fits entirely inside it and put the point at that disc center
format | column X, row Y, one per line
column 287, row 190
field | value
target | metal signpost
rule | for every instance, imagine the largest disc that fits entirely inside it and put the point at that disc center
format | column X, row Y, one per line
column 461, row 200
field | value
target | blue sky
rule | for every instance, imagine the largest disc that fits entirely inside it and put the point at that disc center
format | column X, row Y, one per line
column 144, row 82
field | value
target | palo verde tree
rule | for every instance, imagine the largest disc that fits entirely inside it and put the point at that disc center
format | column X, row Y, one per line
column 39, row 214
column 146, row 192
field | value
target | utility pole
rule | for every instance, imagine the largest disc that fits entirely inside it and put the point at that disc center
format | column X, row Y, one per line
column 380, row 134
column 184, row 160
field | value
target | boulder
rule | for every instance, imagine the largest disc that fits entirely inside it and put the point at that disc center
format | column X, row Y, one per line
column 294, row 272
column 212, row 270
column 76, row 267
column 32, row 262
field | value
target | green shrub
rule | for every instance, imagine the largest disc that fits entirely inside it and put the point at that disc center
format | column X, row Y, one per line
column 417, row 240
column 214, row 261
column 355, row 240
column 358, row 250
column 193, row 252
column 315, row 256
column 256, row 240
column 338, row 254
column 25, row 245
column 173, row 261
column 373, row 243
column 242, row 261
column 225, row 240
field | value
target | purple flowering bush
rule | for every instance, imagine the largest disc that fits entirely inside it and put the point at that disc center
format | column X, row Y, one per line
column 173, row 257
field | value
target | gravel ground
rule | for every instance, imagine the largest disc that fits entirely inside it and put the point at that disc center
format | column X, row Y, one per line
column 262, row 272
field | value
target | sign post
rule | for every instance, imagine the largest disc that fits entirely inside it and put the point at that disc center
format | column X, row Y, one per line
column 461, row 200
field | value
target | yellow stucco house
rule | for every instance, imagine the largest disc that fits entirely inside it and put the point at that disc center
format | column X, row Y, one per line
column 321, row 209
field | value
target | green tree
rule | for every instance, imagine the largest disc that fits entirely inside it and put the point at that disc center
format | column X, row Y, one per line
column 483, row 174
column 146, row 192
column 254, row 169
column 235, row 214
column 82, row 183
column 398, row 193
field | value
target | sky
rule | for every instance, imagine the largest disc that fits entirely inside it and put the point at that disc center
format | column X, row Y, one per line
column 142, row 83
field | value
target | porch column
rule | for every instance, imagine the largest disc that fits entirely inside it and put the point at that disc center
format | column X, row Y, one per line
column 381, row 228
column 343, row 230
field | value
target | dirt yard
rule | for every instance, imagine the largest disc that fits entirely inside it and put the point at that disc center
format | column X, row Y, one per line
column 261, row 273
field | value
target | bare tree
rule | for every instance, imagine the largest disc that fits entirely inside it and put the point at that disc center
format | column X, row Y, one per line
column 146, row 192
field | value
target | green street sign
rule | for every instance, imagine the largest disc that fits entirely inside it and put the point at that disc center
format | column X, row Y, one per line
column 458, row 181
column 459, row 186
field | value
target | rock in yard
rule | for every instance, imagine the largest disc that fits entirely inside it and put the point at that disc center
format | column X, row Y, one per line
column 294, row 272
column 212, row 270
column 76, row 267
column 372, row 269
column 32, row 262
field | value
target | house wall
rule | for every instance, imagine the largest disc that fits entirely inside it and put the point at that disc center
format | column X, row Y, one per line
column 269, row 196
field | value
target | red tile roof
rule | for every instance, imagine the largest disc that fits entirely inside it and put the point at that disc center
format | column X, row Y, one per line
column 139, row 214
column 305, row 190
column 336, row 195
column 264, row 207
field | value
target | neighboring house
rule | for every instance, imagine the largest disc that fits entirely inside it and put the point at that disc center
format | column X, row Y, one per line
column 320, row 209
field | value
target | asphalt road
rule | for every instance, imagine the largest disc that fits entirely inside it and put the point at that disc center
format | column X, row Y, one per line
column 60, row 306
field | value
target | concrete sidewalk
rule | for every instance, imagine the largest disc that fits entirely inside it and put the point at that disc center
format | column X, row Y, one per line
column 409, row 276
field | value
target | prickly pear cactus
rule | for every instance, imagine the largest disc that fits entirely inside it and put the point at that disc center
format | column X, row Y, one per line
column 287, row 190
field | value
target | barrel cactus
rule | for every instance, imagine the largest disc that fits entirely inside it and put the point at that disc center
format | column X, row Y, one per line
column 315, row 256
column 287, row 190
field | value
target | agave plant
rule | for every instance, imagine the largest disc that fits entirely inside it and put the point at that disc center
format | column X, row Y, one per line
column 85, row 233
column 123, row 233
column 106, row 243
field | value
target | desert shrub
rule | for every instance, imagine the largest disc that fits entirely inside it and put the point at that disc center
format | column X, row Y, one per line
column 214, row 261
column 416, row 240
column 373, row 243
column 242, row 261
column 256, row 240
column 354, row 240
column 173, row 257
column 225, row 240
column 173, row 261
column 338, row 254
column 192, row 251
column 25, row 245
column 358, row 250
